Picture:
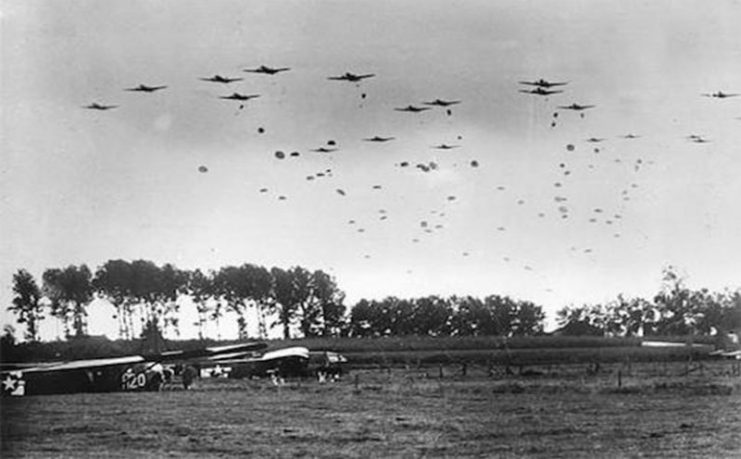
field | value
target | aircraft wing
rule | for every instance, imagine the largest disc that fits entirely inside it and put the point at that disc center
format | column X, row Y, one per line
column 289, row 352
column 235, row 349
column 727, row 354
column 296, row 352
column 208, row 352
column 84, row 364
column 229, row 356
column 4, row 367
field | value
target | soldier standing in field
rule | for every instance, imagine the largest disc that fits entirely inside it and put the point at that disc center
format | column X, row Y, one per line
column 189, row 375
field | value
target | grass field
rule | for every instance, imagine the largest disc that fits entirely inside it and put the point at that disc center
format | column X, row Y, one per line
column 659, row 410
column 525, row 356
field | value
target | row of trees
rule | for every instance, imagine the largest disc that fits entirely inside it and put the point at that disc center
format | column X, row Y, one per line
column 147, row 300
column 674, row 310
column 453, row 316
column 147, row 297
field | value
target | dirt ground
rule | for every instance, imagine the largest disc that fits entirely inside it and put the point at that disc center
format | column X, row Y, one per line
column 397, row 413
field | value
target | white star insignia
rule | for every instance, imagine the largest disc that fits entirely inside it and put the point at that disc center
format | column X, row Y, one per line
column 9, row 383
column 13, row 384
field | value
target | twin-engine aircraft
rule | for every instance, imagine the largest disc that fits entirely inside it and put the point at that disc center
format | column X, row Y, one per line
column 351, row 77
column 130, row 373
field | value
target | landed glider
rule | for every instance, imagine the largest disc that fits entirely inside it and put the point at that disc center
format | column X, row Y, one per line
column 129, row 373
column 294, row 361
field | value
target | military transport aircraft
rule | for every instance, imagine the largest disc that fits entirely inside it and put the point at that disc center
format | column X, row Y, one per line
column 541, row 83
column 576, row 107
column 221, row 79
column 720, row 95
column 351, row 77
column 130, row 373
column 411, row 109
column 145, row 88
column 97, row 106
column 267, row 70
column 540, row 91
column 442, row 103
column 238, row 96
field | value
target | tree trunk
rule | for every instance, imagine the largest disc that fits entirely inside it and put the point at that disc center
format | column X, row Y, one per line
column 261, row 321
column 286, row 329
column 78, row 320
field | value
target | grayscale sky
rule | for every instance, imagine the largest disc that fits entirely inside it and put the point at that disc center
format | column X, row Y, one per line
column 85, row 186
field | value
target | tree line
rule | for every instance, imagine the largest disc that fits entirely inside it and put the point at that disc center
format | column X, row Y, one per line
column 452, row 316
column 147, row 298
column 674, row 310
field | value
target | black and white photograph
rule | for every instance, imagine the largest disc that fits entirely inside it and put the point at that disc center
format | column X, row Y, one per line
column 370, row 228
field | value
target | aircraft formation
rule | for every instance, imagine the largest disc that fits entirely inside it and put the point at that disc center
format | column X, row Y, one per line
column 599, row 152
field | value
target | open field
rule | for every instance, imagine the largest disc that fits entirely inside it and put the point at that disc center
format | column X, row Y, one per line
column 660, row 410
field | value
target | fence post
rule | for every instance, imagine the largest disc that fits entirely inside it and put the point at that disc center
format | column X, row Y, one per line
column 687, row 366
column 620, row 378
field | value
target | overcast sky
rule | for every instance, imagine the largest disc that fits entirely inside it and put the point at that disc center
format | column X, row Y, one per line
column 85, row 186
